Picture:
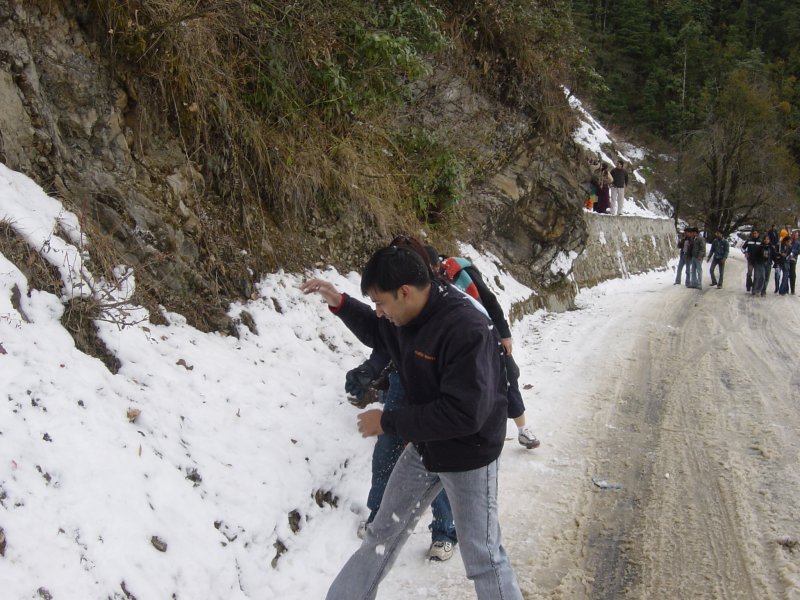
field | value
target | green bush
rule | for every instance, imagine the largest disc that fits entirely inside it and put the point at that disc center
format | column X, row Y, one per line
column 436, row 173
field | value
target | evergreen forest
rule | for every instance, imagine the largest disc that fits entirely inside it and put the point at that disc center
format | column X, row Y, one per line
column 715, row 82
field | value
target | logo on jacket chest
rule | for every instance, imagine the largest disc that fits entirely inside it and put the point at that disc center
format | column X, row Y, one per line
column 424, row 356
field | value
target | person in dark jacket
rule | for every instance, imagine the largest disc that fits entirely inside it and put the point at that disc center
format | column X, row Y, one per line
column 774, row 236
column 465, row 276
column 781, row 261
column 762, row 260
column 795, row 252
column 751, row 248
column 449, row 359
column 388, row 448
column 603, row 204
column 684, row 257
column 720, row 248
column 619, row 181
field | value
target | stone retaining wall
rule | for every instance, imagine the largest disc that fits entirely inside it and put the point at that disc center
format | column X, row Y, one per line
column 623, row 246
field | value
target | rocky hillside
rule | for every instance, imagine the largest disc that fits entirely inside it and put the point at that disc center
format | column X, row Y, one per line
column 85, row 116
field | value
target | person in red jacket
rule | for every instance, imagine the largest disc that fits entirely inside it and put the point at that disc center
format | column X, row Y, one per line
column 449, row 359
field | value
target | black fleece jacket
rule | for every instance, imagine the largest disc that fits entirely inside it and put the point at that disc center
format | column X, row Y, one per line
column 450, row 361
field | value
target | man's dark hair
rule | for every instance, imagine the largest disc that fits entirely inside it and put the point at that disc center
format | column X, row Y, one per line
column 391, row 267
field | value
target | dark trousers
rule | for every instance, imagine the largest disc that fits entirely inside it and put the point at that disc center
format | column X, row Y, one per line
column 515, row 405
column 717, row 262
column 792, row 275
column 760, row 277
column 749, row 281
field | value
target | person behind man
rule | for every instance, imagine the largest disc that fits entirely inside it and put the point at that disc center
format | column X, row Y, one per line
column 762, row 260
column 466, row 277
column 720, row 248
column 750, row 248
column 451, row 365
column 619, row 177
column 684, row 250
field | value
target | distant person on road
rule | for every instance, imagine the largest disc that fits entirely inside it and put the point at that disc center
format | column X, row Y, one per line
column 793, row 261
column 684, row 258
column 784, row 253
column 698, row 254
column 762, row 260
column 751, row 247
column 720, row 248
column 619, row 181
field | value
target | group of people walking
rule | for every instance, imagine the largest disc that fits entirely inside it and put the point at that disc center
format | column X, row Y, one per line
column 775, row 251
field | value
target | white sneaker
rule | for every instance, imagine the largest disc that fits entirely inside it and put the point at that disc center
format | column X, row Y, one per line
column 362, row 530
column 440, row 551
column 527, row 439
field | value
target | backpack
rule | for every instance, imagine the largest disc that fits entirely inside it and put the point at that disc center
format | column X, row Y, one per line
column 454, row 269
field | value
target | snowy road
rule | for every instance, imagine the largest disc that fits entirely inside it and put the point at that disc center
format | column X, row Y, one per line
column 687, row 400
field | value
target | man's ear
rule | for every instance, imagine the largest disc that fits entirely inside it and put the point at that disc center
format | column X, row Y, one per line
column 404, row 291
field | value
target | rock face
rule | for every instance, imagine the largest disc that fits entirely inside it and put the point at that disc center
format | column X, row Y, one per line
column 66, row 122
column 78, row 126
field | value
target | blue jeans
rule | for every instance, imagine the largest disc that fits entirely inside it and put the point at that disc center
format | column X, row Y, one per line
column 681, row 263
column 696, row 279
column 388, row 449
column 410, row 490
column 783, row 285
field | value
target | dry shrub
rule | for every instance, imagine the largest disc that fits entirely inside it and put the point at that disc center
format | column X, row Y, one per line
column 41, row 275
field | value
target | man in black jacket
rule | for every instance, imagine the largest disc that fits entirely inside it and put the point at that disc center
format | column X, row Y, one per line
column 750, row 248
column 449, row 359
